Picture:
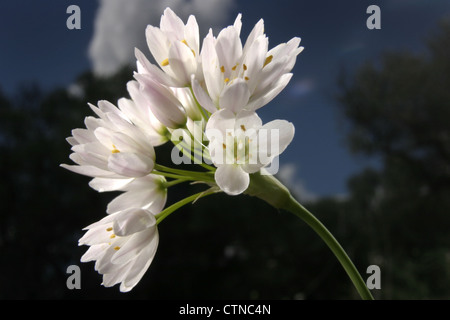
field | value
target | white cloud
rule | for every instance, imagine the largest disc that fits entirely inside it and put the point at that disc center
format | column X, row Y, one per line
column 120, row 26
column 288, row 175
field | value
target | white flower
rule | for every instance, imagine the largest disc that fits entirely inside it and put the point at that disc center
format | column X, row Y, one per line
column 240, row 144
column 123, row 246
column 147, row 193
column 162, row 101
column 111, row 147
column 175, row 48
column 140, row 114
column 243, row 77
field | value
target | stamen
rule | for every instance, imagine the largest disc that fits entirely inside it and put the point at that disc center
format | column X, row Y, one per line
column 247, row 78
column 115, row 150
column 234, row 68
column 116, row 248
column 165, row 62
column 243, row 127
column 227, row 79
column 184, row 41
column 224, row 145
column 112, row 236
column 245, row 67
column 268, row 60
column 109, row 229
column 222, row 68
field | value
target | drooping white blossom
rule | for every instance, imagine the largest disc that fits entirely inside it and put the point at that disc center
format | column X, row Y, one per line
column 111, row 146
column 123, row 246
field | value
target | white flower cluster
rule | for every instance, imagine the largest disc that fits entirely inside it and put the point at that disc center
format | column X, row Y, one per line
column 220, row 85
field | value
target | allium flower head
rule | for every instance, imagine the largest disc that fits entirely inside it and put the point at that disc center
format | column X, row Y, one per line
column 204, row 101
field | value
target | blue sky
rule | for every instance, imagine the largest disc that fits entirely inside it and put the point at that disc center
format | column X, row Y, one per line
column 37, row 46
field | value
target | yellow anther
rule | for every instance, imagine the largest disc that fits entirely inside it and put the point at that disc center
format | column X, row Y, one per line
column 227, row 79
column 165, row 62
column 245, row 66
column 243, row 127
column 268, row 60
column 222, row 68
column 112, row 236
column 184, row 41
column 234, row 68
column 247, row 78
column 224, row 145
column 114, row 150
column 109, row 229
column 116, row 248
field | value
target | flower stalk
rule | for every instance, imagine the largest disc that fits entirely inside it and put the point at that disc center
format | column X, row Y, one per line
column 271, row 190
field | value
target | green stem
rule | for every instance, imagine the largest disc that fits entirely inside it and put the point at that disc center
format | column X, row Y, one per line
column 297, row 209
column 174, row 182
column 268, row 188
column 166, row 212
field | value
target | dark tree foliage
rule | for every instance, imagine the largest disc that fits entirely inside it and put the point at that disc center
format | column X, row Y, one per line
column 399, row 111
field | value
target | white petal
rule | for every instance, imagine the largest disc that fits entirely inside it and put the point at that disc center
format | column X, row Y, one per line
column 246, row 120
column 232, row 179
column 254, row 60
column 257, row 31
column 133, row 246
column 164, row 105
column 108, row 184
column 202, row 97
column 273, row 139
column 182, row 62
column 214, row 79
column 83, row 135
column 141, row 263
column 191, row 34
column 219, row 124
column 130, row 164
column 119, row 274
column 94, row 252
column 133, row 220
column 158, row 43
column 90, row 171
column 265, row 97
column 229, row 48
column 144, row 66
column 238, row 23
column 133, row 199
column 235, row 96
column 171, row 23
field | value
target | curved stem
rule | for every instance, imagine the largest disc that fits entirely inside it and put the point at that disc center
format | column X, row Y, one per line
column 297, row 209
column 206, row 176
column 271, row 190
column 166, row 212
